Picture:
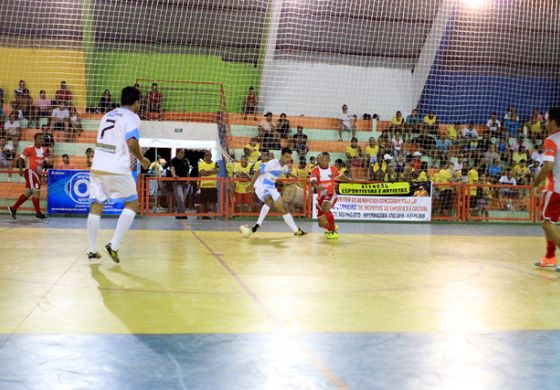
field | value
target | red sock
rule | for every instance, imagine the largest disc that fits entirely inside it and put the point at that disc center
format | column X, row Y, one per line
column 36, row 205
column 550, row 249
column 21, row 200
column 330, row 221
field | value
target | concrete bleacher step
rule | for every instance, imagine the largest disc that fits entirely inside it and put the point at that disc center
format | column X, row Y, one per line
column 312, row 134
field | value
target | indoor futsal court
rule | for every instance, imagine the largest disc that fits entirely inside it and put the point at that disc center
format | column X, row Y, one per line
column 279, row 194
column 192, row 305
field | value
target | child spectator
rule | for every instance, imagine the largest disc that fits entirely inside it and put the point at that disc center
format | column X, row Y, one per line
column 250, row 104
column 66, row 164
column 89, row 157
column 105, row 102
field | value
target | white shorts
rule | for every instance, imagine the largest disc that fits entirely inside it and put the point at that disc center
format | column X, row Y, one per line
column 114, row 187
column 264, row 192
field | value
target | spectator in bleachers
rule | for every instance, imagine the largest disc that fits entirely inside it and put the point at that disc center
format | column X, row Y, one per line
column 511, row 122
column 250, row 104
column 180, row 168
column 469, row 131
column 521, row 173
column 413, row 121
column 48, row 140
column 451, row 131
column 484, row 144
column 397, row 122
column 20, row 90
column 243, row 193
column 66, row 164
column 89, row 157
column 431, row 122
column 397, row 143
column 495, row 170
column 472, row 178
column 371, row 151
column 507, row 193
column 519, row 155
column 537, row 157
column 492, row 154
column 299, row 142
column 155, row 103
column 63, row 94
column 353, row 153
column 75, row 123
column 208, row 188
column 493, row 125
column 283, row 128
column 267, row 132
column 471, row 149
column 518, row 142
column 391, row 175
column 12, row 128
column 444, row 202
column 26, row 105
column 503, row 149
column 341, row 167
column 443, row 145
column 484, row 196
column 422, row 173
column 416, row 161
column 511, row 113
column 252, row 150
column 105, row 102
column 5, row 155
column 60, row 117
column 535, row 126
column 42, row 107
column 312, row 163
column 425, row 143
column 346, row 123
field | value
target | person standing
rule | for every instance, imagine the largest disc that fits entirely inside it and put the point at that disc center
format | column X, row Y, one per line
column 180, row 168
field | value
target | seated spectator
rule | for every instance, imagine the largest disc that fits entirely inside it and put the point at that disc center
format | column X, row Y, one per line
column 397, row 122
column 452, row 131
column 416, row 162
column 521, row 141
column 20, row 89
column 312, row 163
column 511, row 113
column 413, row 121
column 431, row 122
column 521, row 173
column 397, row 143
column 267, row 132
column 208, row 188
column 492, row 154
column 155, row 103
column 60, row 117
column 495, row 170
column 422, row 173
column 535, row 126
column 283, row 128
column 347, row 122
column 42, row 107
column 484, row 144
column 516, row 157
column 299, row 142
column 537, row 157
column 371, row 151
column 507, row 192
column 511, row 123
column 391, row 176
column 250, row 104
column 252, row 150
column 493, row 125
column 12, row 129
column 63, row 95
column 25, row 105
column 48, row 140
column 353, row 153
column 75, row 123
column 425, row 143
column 442, row 146
column 407, row 174
column 66, row 164
column 342, row 170
column 89, row 157
column 472, row 179
column 5, row 155
column 471, row 149
column 503, row 149
column 105, row 102
column 470, row 131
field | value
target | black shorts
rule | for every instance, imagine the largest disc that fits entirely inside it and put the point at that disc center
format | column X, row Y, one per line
column 209, row 195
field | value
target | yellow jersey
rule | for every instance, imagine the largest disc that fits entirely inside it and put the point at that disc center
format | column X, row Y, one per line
column 241, row 187
column 421, row 176
column 372, row 152
column 536, row 127
column 429, row 121
column 204, row 166
column 472, row 178
column 255, row 152
column 396, row 121
column 353, row 152
column 452, row 133
column 443, row 176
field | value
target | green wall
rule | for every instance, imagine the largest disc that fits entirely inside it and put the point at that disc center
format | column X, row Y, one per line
column 114, row 70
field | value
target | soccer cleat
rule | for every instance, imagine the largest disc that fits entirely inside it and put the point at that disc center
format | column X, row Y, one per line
column 114, row 254
column 255, row 227
column 300, row 233
column 546, row 262
column 40, row 216
column 12, row 212
column 331, row 235
column 93, row 256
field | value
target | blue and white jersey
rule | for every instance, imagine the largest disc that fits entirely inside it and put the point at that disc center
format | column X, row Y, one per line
column 269, row 173
column 111, row 150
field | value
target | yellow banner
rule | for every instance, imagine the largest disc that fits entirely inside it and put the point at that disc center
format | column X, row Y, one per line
column 374, row 189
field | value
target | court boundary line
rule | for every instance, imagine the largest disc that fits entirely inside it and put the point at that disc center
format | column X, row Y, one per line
column 309, row 354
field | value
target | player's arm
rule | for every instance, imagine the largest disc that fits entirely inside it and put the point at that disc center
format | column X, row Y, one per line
column 134, row 147
column 543, row 173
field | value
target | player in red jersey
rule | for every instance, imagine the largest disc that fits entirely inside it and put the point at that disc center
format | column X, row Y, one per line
column 324, row 178
column 550, row 202
column 33, row 158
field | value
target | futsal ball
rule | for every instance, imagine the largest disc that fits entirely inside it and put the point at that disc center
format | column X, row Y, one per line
column 245, row 231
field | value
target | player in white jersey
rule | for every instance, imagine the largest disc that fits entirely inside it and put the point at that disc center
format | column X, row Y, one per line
column 264, row 183
column 110, row 175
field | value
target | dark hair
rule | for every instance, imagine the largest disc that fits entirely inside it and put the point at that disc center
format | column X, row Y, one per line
column 554, row 115
column 65, row 155
column 354, row 139
column 129, row 96
column 325, row 154
column 154, row 84
column 251, row 88
column 42, row 91
column 37, row 135
column 89, row 150
column 286, row 151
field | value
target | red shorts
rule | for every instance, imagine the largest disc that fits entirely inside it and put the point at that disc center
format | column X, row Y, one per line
column 243, row 198
column 32, row 179
column 550, row 206
column 325, row 198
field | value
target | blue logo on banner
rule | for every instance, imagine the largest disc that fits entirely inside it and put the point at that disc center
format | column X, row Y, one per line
column 69, row 193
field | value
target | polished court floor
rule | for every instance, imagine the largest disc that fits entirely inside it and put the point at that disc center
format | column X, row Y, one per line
column 194, row 306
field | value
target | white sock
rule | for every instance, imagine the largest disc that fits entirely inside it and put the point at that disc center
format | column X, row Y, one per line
column 123, row 224
column 264, row 211
column 92, row 228
column 290, row 222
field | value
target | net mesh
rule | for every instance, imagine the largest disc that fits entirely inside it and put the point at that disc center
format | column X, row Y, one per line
column 460, row 59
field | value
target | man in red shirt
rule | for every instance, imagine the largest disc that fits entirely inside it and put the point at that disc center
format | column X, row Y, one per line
column 324, row 178
column 550, row 202
column 155, row 102
column 63, row 94
column 33, row 157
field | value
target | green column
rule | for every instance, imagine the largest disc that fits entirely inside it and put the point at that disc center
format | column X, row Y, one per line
column 88, row 27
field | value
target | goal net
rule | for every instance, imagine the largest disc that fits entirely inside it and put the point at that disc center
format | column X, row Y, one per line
column 461, row 60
